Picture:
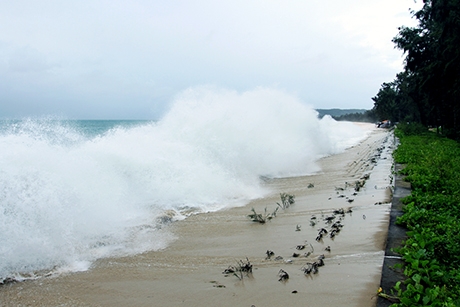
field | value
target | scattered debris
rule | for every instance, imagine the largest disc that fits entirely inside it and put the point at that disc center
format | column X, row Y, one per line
column 329, row 219
column 262, row 219
column 286, row 200
column 300, row 247
column 312, row 267
column 217, row 284
column 269, row 254
column 283, row 275
column 359, row 184
column 239, row 269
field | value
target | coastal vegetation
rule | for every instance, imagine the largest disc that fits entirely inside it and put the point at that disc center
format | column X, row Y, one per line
column 286, row 201
column 428, row 90
column 431, row 251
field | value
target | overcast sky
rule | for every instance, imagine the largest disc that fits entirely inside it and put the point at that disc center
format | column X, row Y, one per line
column 114, row 59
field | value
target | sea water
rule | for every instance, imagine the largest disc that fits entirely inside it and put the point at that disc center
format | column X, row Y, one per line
column 74, row 191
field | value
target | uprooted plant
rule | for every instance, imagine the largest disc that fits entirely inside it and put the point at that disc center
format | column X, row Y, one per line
column 283, row 275
column 262, row 218
column 240, row 268
column 286, row 200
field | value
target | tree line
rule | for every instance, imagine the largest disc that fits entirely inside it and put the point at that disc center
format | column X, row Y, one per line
column 427, row 91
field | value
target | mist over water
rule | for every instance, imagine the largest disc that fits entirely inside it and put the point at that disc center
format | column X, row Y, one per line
column 68, row 197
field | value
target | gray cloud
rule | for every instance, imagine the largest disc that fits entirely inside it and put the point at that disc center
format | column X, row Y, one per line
column 120, row 59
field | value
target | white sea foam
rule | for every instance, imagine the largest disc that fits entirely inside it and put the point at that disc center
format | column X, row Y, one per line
column 67, row 199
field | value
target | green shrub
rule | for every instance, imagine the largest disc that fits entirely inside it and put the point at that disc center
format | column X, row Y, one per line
column 412, row 128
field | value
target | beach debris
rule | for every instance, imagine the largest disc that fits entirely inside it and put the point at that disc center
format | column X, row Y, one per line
column 335, row 229
column 286, row 200
column 321, row 233
column 337, row 226
column 262, row 219
column 217, row 284
column 313, row 220
column 390, row 298
column 300, row 247
column 229, row 270
column 320, row 260
column 278, row 258
column 245, row 266
column 295, row 255
column 329, row 219
column 359, row 184
column 311, row 185
column 8, row 280
column 312, row 267
column 303, row 246
column 283, row 275
column 269, row 254
column 240, row 268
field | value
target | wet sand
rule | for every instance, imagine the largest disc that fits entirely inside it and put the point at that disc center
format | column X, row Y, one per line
column 189, row 271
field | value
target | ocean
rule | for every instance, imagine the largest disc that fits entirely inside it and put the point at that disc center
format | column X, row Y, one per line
column 74, row 191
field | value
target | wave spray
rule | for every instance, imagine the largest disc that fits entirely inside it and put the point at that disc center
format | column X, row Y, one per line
column 68, row 198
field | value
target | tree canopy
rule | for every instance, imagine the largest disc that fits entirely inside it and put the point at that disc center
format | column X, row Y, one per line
column 428, row 90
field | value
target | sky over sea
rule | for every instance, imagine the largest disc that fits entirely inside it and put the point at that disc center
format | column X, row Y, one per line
column 113, row 59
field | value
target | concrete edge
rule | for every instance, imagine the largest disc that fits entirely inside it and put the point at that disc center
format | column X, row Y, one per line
column 396, row 235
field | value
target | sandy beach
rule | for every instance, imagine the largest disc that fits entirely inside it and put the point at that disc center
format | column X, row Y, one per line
column 189, row 272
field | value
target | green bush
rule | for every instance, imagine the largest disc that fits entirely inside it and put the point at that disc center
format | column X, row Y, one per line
column 412, row 128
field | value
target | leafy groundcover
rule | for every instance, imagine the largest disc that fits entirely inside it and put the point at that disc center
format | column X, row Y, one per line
column 431, row 215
